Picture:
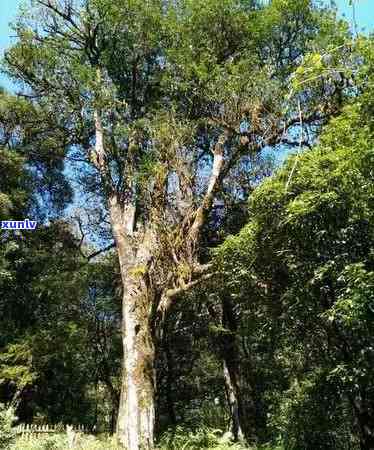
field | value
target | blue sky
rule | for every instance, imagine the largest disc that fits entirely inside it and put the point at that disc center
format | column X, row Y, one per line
column 364, row 12
column 8, row 10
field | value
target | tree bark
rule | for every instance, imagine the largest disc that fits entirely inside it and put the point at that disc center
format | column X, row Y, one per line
column 136, row 416
column 136, row 413
column 135, row 427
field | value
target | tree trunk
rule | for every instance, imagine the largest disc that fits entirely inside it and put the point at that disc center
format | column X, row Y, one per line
column 135, row 425
column 242, row 411
column 232, row 396
column 115, row 406
column 242, row 406
column 136, row 415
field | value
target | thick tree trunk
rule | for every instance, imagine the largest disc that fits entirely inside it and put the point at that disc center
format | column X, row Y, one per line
column 136, row 415
column 135, row 425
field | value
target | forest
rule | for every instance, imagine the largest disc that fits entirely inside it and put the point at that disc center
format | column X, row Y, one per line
column 187, row 227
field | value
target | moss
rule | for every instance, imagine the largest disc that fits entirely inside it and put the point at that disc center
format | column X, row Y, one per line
column 138, row 271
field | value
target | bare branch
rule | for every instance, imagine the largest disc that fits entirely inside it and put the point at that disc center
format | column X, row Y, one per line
column 66, row 16
column 300, row 146
column 80, row 226
column 173, row 293
column 99, row 252
column 214, row 183
column 202, row 268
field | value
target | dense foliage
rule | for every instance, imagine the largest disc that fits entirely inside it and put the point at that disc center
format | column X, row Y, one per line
column 304, row 264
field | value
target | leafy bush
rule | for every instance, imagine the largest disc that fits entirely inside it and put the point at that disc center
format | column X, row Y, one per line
column 311, row 416
column 52, row 442
column 202, row 438
column 7, row 434
column 59, row 442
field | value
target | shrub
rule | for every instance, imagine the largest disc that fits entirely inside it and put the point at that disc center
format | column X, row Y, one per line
column 59, row 442
column 312, row 417
column 53, row 442
column 200, row 439
column 7, row 434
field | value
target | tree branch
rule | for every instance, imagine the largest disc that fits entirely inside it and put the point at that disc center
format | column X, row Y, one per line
column 66, row 16
column 214, row 183
column 173, row 293
column 98, row 252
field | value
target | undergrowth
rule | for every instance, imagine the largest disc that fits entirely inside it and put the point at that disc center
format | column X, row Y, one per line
column 178, row 438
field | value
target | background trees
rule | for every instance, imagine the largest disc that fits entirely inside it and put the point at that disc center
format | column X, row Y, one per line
column 303, row 266
column 56, row 309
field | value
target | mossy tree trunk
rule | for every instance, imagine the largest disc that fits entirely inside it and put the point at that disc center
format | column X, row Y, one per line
column 136, row 416
column 135, row 427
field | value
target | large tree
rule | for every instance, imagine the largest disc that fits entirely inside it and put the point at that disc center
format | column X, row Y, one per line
column 167, row 104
